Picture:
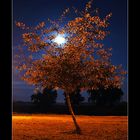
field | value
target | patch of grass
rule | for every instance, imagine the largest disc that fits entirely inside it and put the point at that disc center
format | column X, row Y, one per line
column 60, row 127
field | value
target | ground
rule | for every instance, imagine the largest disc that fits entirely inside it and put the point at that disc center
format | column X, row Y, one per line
column 60, row 127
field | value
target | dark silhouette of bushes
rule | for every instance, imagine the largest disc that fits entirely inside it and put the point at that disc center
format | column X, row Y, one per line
column 101, row 102
column 44, row 100
column 83, row 109
column 105, row 97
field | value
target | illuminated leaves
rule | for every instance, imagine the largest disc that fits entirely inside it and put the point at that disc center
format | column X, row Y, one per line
column 82, row 61
column 21, row 25
column 88, row 5
column 64, row 13
column 40, row 25
column 27, row 37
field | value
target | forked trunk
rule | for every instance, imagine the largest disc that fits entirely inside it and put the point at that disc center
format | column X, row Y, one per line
column 78, row 130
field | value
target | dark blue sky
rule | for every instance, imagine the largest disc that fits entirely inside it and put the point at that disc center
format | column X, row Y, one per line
column 33, row 11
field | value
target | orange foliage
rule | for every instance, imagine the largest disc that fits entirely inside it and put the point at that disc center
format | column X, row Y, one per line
column 81, row 62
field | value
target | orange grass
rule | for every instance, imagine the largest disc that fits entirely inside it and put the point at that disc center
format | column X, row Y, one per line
column 60, row 127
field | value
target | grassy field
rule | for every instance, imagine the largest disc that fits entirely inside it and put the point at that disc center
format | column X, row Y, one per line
column 60, row 127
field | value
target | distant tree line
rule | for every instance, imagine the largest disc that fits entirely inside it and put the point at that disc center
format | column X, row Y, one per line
column 100, row 97
column 105, row 97
column 45, row 98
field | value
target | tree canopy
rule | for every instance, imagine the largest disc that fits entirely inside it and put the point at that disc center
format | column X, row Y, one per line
column 82, row 61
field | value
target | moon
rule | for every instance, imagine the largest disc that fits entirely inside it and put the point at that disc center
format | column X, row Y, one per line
column 60, row 39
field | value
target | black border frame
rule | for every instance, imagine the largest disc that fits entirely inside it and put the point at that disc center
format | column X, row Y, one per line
column 5, row 70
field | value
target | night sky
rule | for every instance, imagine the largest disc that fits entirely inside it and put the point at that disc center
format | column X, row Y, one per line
column 31, row 12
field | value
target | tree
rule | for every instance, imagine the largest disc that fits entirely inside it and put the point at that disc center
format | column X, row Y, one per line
column 46, row 98
column 50, row 96
column 82, row 61
column 75, row 98
column 103, row 97
column 36, row 98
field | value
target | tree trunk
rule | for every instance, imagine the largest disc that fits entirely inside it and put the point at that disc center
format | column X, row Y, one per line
column 78, row 130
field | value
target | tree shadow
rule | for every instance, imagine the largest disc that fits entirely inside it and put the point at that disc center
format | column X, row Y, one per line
column 71, row 132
